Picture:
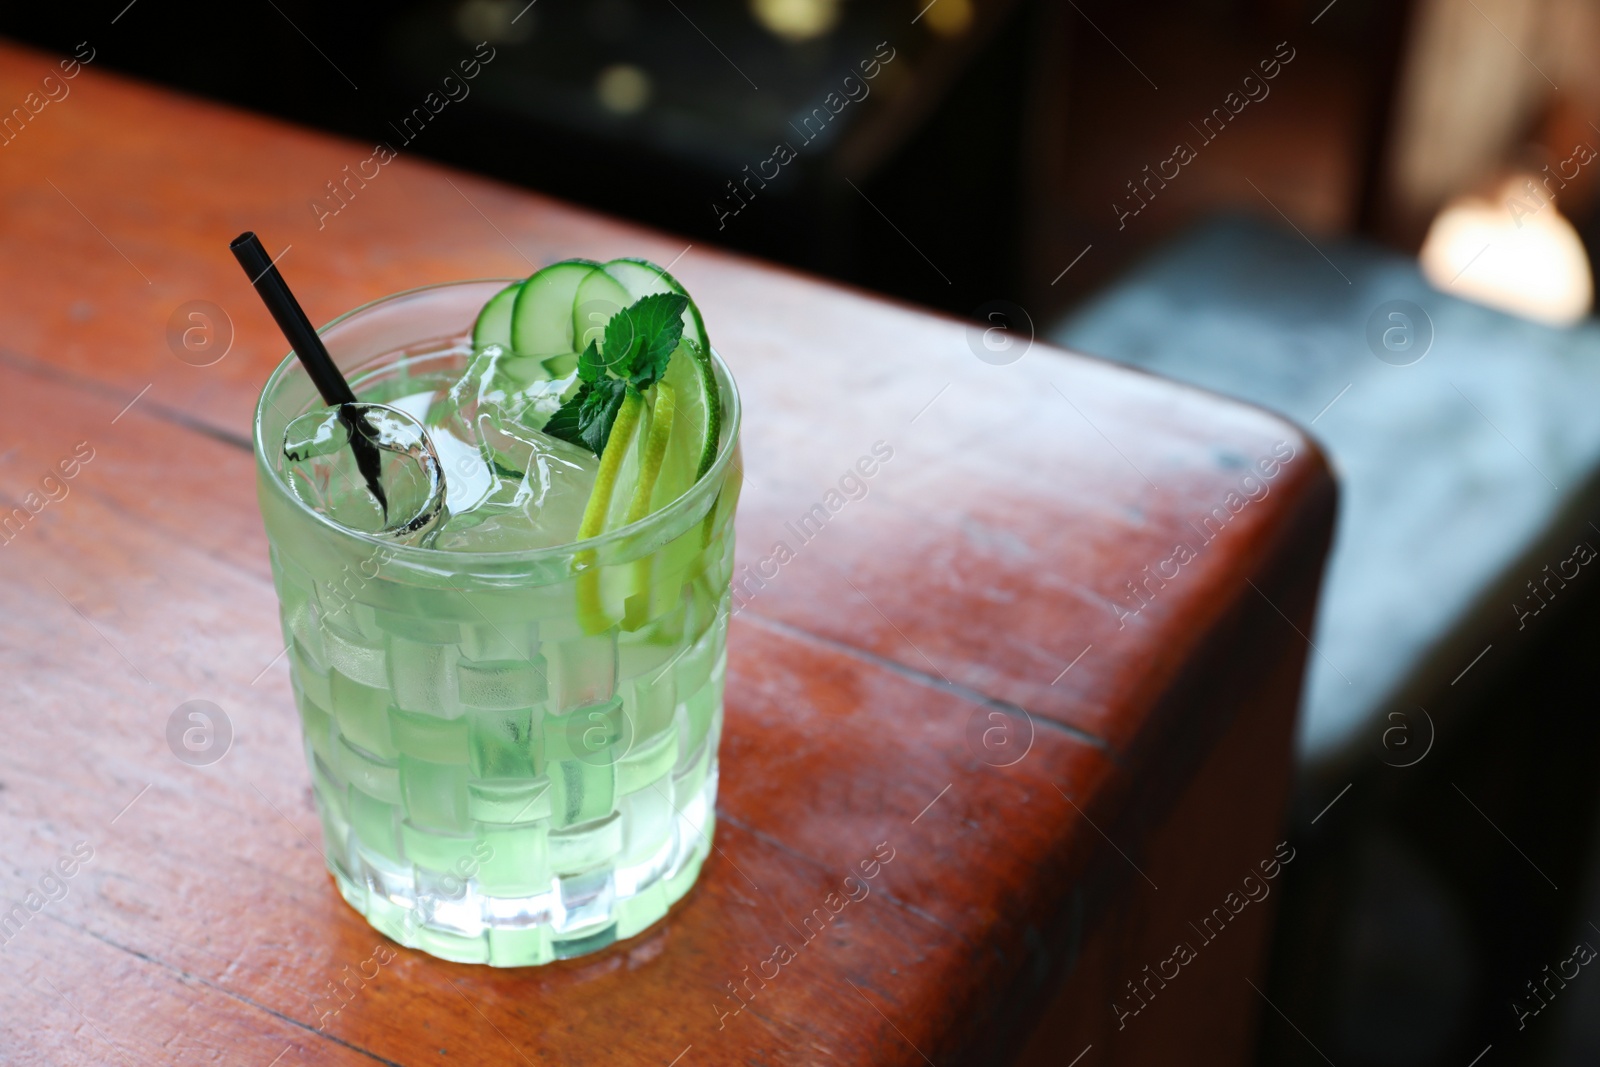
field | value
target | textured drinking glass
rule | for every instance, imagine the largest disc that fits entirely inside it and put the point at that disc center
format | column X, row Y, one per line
column 514, row 754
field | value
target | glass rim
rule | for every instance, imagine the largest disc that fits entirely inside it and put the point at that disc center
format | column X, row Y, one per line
column 731, row 415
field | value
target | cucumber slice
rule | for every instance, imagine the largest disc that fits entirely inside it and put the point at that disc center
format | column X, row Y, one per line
column 641, row 278
column 599, row 296
column 541, row 320
column 494, row 321
column 560, row 366
column 517, row 372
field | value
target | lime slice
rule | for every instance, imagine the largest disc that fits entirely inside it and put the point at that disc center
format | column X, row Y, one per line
column 653, row 451
column 619, row 466
column 697, row 423
column 677, row 429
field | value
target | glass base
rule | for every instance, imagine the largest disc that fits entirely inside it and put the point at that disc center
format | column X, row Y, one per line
column 578, row 914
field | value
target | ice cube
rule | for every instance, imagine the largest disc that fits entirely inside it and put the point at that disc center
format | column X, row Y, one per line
column 322, row 471
column 468, row 476
column 510, row 486
column 536, row 489
column 517, row 388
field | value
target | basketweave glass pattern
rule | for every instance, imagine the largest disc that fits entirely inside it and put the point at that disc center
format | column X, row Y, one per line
column 514, row 756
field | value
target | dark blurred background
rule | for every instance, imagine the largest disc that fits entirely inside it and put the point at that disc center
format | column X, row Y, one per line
column 992, row 142
column 961, row 152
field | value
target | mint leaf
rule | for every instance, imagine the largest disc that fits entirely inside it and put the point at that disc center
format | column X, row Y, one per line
column 599, row 411
column 650, row 363
column 585, row 418
column 639, row 342
column 640, row 339
column 564, row 424
column 591, row 368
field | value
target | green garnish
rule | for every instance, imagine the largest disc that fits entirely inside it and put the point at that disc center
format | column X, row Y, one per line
column 645, row 399
column 605, row 479
column 639, row 342
column 655, row 450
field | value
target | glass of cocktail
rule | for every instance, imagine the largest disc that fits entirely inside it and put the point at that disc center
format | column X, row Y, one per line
column 509, row 670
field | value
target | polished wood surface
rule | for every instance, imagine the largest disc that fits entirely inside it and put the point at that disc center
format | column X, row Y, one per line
column 977, row 581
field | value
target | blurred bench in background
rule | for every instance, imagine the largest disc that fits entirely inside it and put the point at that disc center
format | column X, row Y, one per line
column 1447, row 669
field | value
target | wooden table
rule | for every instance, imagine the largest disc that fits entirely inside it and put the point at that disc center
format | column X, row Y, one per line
column 876, row 688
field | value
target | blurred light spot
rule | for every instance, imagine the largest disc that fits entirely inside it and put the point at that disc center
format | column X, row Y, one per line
column 1515, row 253
column 492, row 20
column 623, row 88
column 796, row 20
column 949, row 18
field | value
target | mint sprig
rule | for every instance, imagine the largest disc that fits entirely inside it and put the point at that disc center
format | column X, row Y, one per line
column 638, row 345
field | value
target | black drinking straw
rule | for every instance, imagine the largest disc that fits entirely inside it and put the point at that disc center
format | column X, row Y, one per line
column 274, row 292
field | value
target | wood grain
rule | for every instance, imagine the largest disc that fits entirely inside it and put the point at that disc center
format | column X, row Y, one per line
column 980, row 571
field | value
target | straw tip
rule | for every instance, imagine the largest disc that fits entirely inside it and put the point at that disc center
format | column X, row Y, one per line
column 244, row 240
